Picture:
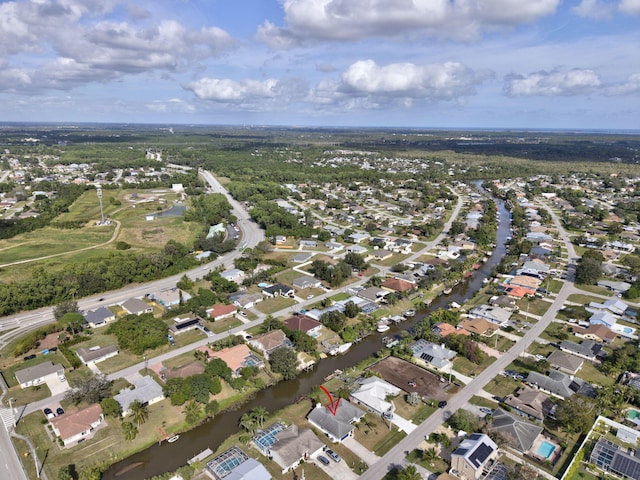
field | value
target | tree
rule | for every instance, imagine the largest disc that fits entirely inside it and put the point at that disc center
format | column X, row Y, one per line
column 464, row 420
column 91, row 390
column 72, row 322
column 270, row 323
column 130, row 430
column 248, row 423
column 351, row 309
column 139, row 412
column 212, row 408
column 200, row 385
column 410, row 472
column 335, row 320
column 218, row 368
column 91, row 473
column 576, row 414
column 137, row 333
column 413, row 398
column 67, row 472
column 283, row 360
column 588, row 270
column 111, row 407
column 260, row 414
column 192, row 412
column 68, row 306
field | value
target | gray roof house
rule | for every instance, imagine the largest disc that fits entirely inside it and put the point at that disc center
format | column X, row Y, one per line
column 373, row 294
column 278, row 289
column 38, row 374
column 614, row 305
column 247, row 300
column 435, row 356
column 145, row 390
column 99, row 317
column 519, row 433
column 565, row 362
column 472, row 455
column 294, row 445
column 94, row 355
column 234, row 464
column 560, row 384
column 339, row 426
column 586, row 349
column 530, row 403
column 492, row 313
column 135, row 306
column 306, row 281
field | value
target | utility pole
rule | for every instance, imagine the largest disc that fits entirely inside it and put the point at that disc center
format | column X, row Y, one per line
column 99, row 192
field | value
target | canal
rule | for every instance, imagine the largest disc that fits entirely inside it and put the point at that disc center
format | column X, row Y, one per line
column 167, row 457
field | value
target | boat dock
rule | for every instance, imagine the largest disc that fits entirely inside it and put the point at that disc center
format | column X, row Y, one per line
column 201, row 456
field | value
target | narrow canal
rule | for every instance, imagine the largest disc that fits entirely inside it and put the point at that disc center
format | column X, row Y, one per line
column 169, row 456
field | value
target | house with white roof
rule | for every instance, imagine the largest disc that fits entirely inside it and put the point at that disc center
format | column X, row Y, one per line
column 373, row 394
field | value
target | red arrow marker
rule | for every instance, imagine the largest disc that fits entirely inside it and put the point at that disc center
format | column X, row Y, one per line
column 332, row 407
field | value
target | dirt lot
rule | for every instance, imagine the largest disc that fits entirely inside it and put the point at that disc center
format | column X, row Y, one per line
column 399, row 372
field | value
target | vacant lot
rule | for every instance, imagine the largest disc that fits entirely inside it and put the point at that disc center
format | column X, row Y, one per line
column 399, row 372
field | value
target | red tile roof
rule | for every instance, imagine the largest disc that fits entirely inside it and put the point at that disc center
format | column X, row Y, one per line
column 397, row 284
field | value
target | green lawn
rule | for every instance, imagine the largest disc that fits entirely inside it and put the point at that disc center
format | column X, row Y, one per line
column 591, row 374
column 275, row 304
column 220, row 326
column 502, row 386
column 8, row 371
column 534, row 307
column 595, row 289
column 582, row 299
column 554, row 286
column 387, row 443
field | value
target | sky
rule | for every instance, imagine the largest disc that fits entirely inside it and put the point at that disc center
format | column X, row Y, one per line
column 519, row 64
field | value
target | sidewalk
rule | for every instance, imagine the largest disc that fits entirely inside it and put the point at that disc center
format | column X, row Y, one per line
column 403, row 424
column 361, row 451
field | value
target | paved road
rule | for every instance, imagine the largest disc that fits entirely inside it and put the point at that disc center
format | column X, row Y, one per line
column 396, row 456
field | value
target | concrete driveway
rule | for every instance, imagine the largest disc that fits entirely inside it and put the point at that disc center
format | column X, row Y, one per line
column 336, row 470
column 56, row 386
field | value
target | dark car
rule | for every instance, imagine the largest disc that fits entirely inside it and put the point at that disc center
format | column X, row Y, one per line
column 442, row 404
column 29, row 357
column 333, row 455
column 323, row 459
column 48, row 413
column 59, row 411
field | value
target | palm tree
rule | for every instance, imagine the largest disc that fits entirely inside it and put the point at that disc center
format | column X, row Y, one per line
column 192, row 411
column 130, row 430
column 410, row 472
column 259, row 414
column 248, row 423
column 139, row 412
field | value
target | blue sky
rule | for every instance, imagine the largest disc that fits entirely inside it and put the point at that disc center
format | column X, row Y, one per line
column 414, row 63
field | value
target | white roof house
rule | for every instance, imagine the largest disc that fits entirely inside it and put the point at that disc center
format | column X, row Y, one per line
column 373, row 394
column 145, row 390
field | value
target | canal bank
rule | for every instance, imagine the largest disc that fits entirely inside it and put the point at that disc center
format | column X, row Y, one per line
column 166, row 457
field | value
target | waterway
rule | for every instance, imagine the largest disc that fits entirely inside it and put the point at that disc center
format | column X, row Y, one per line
column 167, row 457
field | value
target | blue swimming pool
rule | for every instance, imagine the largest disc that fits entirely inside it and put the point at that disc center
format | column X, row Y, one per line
column 546, row 449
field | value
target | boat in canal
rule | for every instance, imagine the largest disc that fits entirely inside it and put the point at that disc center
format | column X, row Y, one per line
column 173, row 439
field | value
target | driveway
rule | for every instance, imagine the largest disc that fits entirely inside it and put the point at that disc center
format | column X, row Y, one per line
column 56, row 386
column 337, row 470
column 403, row 424
column 366, row 455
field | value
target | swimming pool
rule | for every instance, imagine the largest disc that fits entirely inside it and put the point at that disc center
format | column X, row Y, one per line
column 632, row 414
column 546, row 449
column 627, row 330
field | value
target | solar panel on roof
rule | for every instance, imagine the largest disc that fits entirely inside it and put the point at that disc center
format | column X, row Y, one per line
column 480, row 454
column 461, row 451
column 426, row 357
column 626, row 465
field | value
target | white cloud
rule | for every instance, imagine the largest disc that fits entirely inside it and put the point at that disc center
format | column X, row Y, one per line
column 173, row 105
column 631, row 7
column 596, row 9
column 344, row 20
column 572, row 82
column 435, row 82
column 630, row 87
column 227, row 90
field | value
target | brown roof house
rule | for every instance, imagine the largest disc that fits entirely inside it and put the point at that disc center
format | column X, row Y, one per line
column 530, row 403
column 303, row 323
column 237, row 358
column 479, row 326
column 565, row 362
column 268, row 342
column 220, row 311
column 598, row 333
column 398, row 285
column 77, row 426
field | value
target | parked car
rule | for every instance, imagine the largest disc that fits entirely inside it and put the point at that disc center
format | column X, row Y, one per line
column 29, row 357
column 59, row 411
column 442, row 404
column 323, row 459
column 488, row 411
column 49, row 413
column 333, row 455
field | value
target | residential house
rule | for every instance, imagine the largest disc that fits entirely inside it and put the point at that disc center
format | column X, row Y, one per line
column 277, row 290
column 587, row 349
column 308, row 243
column 234, row 464
column 77, row 426
column 358, row 237
column 613, row 458
column 39, row 374
column 373, row 294
column 560, row 384
column 294, row 445
column 505, row 302
column 221, row 311
column 303, row 323
column 613, row 305
column 306, row 281
column 359, row 249
column 519, row 434
column 93, row 355
column 598, row 333
column 237, row 358
column 301, row 257
column 373, row 394
column 184, row 324
column 443, row 329
column 398, row 285
column 99, row 317
column 565, row 362
column 233, row 275
column 135, row 306
column 472, row 456
column 525, row 281
column 617, row 287
column 435, row 356
column 494, row 314
column 603, row 317
column 170, row 297
column 268, row 342
column 479, row 326
column 530, row 403
column 336, row 426
column 247, row 300
column 145, row 390
column 380, row 255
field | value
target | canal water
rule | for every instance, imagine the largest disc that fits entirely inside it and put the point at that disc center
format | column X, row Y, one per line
column 166, row 457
